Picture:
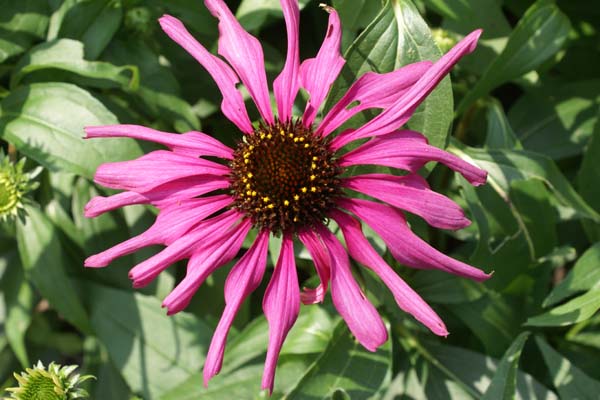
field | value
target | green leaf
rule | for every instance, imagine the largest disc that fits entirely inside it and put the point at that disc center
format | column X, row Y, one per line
column 33, row 118
column 67, row 55
column 506, row 166
column 588, row 178
column 13, row 43
column 500, row 134
column 25, row 16
column 569, row 380
column 154, row 352
column 576, row 310
column 557, row 120
column 45, row 265
column 396, row 37
column 540, row 33
column 443, row 372
column 20, row 301
column 93, row 22
column 346, row 365
column 585, row 275
column 504, row 383
column 253, row 14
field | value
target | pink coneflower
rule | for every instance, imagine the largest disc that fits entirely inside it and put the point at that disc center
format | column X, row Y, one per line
column 288, row 176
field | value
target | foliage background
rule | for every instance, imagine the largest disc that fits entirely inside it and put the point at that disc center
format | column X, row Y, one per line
column 524, row 107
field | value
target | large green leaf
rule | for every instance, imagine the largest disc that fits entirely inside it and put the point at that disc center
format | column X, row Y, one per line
column 345, row 365
column 557, row 119
column 44, row 263
column 396, row 37
column 540, row 33
column 504, row 383
column 154, row 352
column 25, row 16
column 67, row 55
column 34, row 119
column 588, row 177
column 576, row 310
column 93, row 22
column 570, row 381
column 506, row 166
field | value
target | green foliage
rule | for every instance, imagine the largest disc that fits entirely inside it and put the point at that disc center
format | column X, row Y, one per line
column 528, row 113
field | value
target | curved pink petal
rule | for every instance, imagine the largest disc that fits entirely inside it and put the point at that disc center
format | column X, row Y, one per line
column 397, row 115
column 160, row 196
column 281, row 305
column 405, row 246
column 285, row 86
column 243, row 279
column 244, row 52
column 221, row 247
column 172, row 223
column 407, row 299
column 372, row 90
column 154, row 169
column 318, row 74
column 411, row 193
column 358, row 312
column 184, row 247
column 405, row 151
column 194, row 144
column 321, row 258
column 233, row 104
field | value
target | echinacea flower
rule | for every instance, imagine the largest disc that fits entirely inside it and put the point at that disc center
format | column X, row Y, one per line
column 15, row 184
column 287, row 176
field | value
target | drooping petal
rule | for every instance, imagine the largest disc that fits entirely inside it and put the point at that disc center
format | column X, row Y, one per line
column 285, row 86
column 407, row 299
column 360, row 315
column 405, row 151
column 411, row 193
column 154, row 169
column 160, row 196
column 207, row 257
column 194, row 144
column 172, row 223
column 244, row 52
column 281, row 305
column 321, row 258
column 243, row 279
column 397, row 115
column 405, row 246
column 372, row 90
column 318, row 74
column 233, row 104
column 184, row 247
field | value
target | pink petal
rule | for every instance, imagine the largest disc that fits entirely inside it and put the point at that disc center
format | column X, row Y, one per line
column 286, row 84
column 243, row 279
column 321, row 258
column 154, row 169
column 372, row 90
column 411, row 193
column 404, row 150
column 244, row 52
column 173, row 222
column 281, row 305
column 397, row 115
column 318, row 74
column 407, row 299
column 233, row 104
column 193, row 144
column 160, row 196
column 405, row 246
column 222, row 247
column 360, row 315
column 184, row 247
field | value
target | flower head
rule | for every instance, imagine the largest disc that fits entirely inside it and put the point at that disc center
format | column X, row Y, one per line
column 288, row 176
column 14, row 185
column 54, row 383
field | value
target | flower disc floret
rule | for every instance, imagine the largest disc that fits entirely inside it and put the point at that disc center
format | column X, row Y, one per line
column 284, row 177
